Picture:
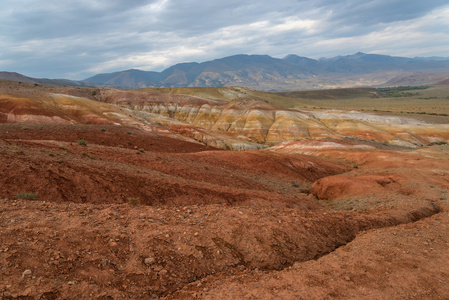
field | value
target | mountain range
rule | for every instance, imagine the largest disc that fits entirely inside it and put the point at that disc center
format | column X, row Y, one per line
column 263, row 72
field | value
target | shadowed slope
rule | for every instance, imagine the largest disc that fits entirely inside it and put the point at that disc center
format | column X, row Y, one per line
column 48, row 161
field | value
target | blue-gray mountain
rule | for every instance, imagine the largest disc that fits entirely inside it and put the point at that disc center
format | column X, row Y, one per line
column 293, row 72
column 262, row 72
column 13, row 76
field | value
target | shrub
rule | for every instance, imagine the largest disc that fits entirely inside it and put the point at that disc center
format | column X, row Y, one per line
column 133, row 200
column 82, row 142
column 85, row 154
column 26, row 196
column 63, row 148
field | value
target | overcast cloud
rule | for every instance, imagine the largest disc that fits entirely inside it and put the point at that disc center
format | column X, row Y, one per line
column 77, row 39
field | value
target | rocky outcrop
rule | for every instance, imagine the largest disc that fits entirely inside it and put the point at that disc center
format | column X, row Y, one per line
column 241, row 124
column 65, row 109
column 262, row 123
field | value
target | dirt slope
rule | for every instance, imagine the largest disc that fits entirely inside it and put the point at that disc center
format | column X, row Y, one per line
column 215, row 224
column 404, row 262
column 47, row 160
column 94, row 251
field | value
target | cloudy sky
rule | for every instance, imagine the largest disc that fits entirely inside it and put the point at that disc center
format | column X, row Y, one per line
column 76, row 39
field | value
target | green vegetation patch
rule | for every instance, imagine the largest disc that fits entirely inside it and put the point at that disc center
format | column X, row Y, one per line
column 133, row 200
column 81, row 142
column 401, row 91
column 26, row 196
column 342, row 93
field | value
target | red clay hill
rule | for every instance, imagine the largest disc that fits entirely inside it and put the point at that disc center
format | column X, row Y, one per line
column 102, row 197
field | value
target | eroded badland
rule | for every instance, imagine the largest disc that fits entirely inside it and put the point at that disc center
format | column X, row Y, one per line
column 113, row 194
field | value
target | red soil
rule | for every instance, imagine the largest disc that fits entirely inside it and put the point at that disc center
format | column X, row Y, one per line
column 80, row 251
column 47, row 160
column 331, row 188
column 265, row 236
column 402, row 262
column 136, row 214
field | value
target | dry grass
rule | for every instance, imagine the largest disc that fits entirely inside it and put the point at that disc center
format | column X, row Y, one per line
column 434, row 100
column 431, row 104
column 230, row 93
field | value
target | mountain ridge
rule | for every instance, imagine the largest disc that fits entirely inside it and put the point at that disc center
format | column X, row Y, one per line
column 266, row 73
column 263, row 72
column 14, row 76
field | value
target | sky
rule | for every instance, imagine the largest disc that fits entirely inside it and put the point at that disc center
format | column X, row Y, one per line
column 76, row 39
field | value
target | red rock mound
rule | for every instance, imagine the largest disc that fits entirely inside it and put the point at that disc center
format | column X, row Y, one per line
column 335, row 187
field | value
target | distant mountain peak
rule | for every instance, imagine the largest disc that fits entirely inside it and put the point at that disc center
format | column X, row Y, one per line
column 263, row 72
column 294, row 57
column 267, row 73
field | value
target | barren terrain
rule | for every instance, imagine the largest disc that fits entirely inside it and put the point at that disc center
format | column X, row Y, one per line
column 105, row 195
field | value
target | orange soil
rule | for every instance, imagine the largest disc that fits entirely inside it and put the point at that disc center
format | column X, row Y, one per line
column 215, row 224
column 136, row 214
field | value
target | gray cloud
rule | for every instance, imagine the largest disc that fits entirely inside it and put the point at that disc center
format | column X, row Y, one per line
column 76, row 39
